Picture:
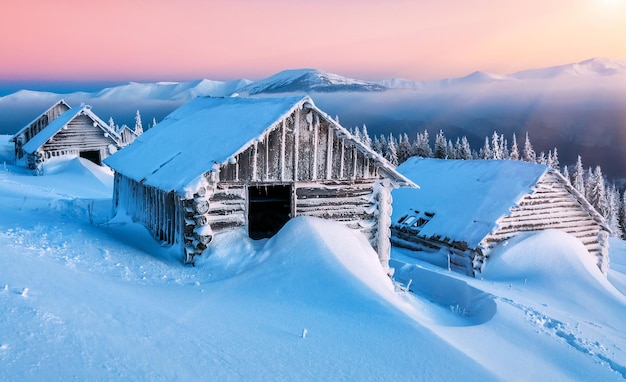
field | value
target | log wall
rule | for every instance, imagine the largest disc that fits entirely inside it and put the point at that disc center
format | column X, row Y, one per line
column 554, row 206
column 79, row 135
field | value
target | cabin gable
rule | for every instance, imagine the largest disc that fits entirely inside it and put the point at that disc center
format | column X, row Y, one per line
column 554, row 204
column 82, row 137
column 302, row 147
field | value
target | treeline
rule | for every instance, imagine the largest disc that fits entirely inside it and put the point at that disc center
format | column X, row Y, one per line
column 605, row 197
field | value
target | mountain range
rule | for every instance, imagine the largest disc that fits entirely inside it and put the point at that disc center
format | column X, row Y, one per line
column 578, row 107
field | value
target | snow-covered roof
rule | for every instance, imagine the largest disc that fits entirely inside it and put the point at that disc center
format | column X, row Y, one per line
column 62, row 101
column 56, row 125
column 467, row 197
column 204, row 133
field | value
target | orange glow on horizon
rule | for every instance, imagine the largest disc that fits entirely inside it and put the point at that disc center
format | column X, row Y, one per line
column 190, row 39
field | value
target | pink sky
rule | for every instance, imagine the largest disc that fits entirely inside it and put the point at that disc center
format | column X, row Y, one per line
column 190, row 39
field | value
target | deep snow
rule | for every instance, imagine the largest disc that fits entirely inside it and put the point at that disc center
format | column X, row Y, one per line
column 85, row 298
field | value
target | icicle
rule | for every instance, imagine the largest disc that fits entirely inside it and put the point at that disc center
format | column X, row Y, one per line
column 309, row 120
column 282, row 151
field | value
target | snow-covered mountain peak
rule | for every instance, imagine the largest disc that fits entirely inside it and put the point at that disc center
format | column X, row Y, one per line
column 303, row 80
column 589, row 68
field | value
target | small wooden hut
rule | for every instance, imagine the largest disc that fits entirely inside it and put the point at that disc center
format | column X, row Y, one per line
column 127, row 135
column 464, row 208
column 220, row 163
column 65, row 131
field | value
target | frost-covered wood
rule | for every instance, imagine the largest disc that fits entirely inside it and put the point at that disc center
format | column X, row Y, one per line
column 465, row 208
column 554, row 204
column 309, row 164
column 34, row 127
column 62, row 131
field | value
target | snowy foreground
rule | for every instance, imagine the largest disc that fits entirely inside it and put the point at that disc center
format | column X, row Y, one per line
column 85, row 298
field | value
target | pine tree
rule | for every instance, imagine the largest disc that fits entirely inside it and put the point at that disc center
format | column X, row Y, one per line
column 496, row 148
column 578, row 176
column 356, row 133
column 366, row 137
column 623, row 214
column 485, row 151
column 112, row 124
column 154, row 122
column 392, row 154
column 138, row 127
column 598, row 197
column 613, row 214
column 450, row 151
column 542, row 158
column 514, row 150
column 422, row 145
column 566, row 174
column 383, row 144
column 465, row 152
column 441, row 145
column 553, row 159
column 377, row 146
column 590, row 181
column 404, row 148
column 529, row 153
column 504, row 147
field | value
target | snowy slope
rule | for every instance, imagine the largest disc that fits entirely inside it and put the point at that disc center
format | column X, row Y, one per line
column 103, row 301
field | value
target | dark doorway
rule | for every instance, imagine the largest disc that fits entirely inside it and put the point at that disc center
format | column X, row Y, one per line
column 92, row 155
column 269, row 208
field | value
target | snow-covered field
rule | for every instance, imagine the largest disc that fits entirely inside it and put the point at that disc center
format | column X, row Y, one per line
column 83, row 297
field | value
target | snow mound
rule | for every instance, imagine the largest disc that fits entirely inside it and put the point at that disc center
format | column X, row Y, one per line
column 313, row 255
column 80, row 168
column 548, row 260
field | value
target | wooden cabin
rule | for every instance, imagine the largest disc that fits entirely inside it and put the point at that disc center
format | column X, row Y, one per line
column 65, row 131
column 127, row 135
column 216, row 164
column 464, row 208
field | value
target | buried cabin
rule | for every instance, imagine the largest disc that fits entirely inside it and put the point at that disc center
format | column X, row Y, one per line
column 220, row 163
column 64, row 131
column 465, row 207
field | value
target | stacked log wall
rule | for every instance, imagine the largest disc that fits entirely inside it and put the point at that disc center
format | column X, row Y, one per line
column 35, row 127
column 553, row 206
column 352, row 204
column 79, row 135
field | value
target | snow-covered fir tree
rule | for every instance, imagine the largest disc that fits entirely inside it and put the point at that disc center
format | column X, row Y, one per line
column 404, row 148
column 112, row 124
column 138, row 126
column 356, row 133
column 422, row 145
column 441, row 145
column 496, row 148
column 529, row 154
column 392, row 154
column 464, row 151
column 377, row 146
column 451, row 151
column 566, row 174
column 578, row 176
column 623, row 213
column 504, row 147
column 598, row 195
column 366, row 137
column 542, row 159
column 485, row 152
column 553, row 159
column 514, row 149
column 613, row 213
